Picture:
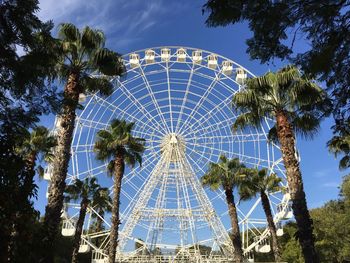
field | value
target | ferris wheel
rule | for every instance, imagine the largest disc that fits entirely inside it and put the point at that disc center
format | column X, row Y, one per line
column 180, row 101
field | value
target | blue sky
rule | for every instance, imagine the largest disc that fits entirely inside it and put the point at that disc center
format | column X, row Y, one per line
column 138, row 24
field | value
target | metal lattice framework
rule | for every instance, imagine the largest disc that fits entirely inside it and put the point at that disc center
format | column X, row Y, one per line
column 180, row 99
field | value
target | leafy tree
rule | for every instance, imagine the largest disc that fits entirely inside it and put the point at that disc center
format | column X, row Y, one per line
column 85, row 191
column 324, row 25
column 298, row 105
column 291, row 250
column 258, row 182
column 119, row 147
column 79, row 53
column 227, row 174
column 21, row 90
column 332, row 227
column 24, row 96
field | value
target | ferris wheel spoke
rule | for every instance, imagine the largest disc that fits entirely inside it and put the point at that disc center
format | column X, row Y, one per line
column 97, row 125
column 202, row 99
column 241, row 156
column 156, row 105
column 169, row 98
column 117, row 108
column 136, row 102
column 216, row 127
column 209, row 114
column 185, row 98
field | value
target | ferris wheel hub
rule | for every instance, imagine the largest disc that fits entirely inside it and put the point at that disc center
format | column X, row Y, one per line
column 173, row 146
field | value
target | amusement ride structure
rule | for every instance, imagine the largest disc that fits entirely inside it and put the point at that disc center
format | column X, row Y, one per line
column 180, row 101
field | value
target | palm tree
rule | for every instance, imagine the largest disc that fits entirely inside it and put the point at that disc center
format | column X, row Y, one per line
column 119, row 147
column 38, row 143
column 259, row 182
column 78, row 55
column 298, row 105
column 34, row 145
column 85, row 191
column 228, row 174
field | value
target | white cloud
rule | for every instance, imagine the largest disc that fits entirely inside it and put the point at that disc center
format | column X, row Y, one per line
column 122, row 20
column 323, row 173
column 331, row 184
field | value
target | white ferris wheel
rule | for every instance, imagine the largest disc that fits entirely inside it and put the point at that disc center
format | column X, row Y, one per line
column 180, row 101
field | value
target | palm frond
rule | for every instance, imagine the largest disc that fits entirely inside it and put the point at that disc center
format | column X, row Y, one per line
column 94, row 84
column 108, row 62
column 68, row 32
column 244, row 99
column 306, row 125
column 344, row 162
column 247, row 119
column 92, row 39
column 272, row 135
column 287, row 75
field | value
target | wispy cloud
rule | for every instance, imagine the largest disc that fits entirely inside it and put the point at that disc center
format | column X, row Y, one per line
column 121, row 20
column 323, row 173
column 331, row 184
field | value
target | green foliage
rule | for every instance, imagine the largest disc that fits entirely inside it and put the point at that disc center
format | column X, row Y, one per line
column 291, row 250
column 24, row 96
column 22, row 91
column 119, row 140
column 341, row 145
column 226, row 174
column 332, row 227
column 257, row 181
column 300, row 99
column 86, row 189
column 83, row 52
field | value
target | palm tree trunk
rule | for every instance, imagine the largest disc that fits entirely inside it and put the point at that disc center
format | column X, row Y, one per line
column 118, row 176
column 295, row 183
column 79, row 229
column 267, row 209
column 28, row 180
column 236, row 235
column 60, row 166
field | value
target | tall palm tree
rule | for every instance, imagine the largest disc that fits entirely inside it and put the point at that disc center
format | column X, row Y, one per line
column 78, row 55
column 119, row 147
column 85, row 191
column 258, row 182
column 297, row 104
column 227, row 174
